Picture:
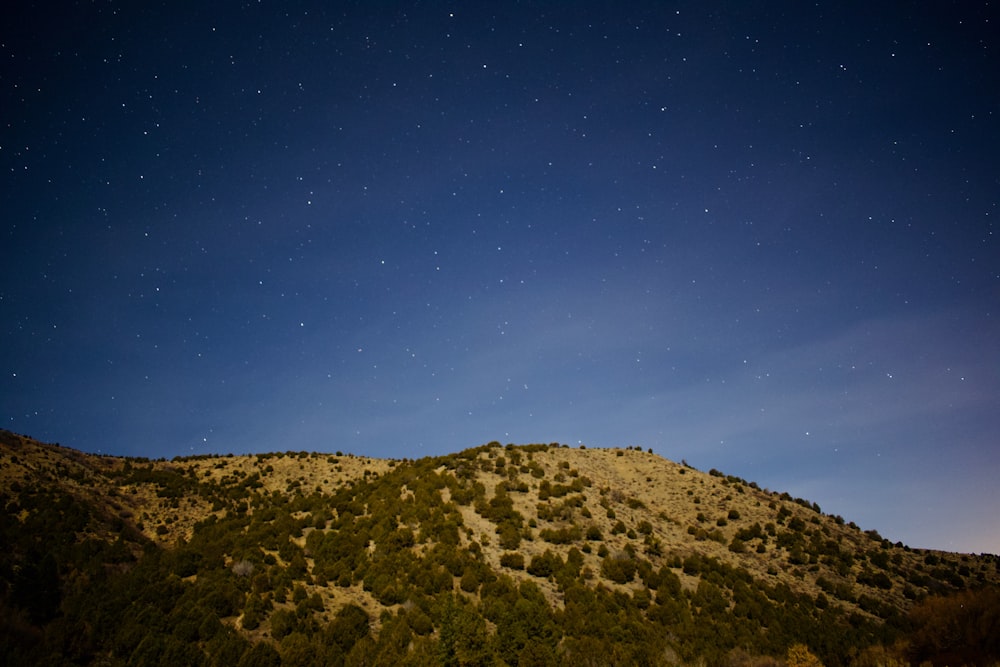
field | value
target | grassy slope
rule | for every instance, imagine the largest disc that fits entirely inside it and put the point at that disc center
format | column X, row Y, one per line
column 675, row 519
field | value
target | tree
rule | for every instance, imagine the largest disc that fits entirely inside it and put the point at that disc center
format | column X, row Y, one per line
column 513, row 560
column 537, row 654
column 463, row 640
column 261, row 655
column 799, row 655
column 349, row 626
column 544, row 565
column 297, row 651
column 878, row 656
column 958, row 629
column 283, row 623
column 619, row 569
column 393, row 640
column 36, row 587
column 226, row 648
column 363, row 654
column 470, row 581
column 510, row 536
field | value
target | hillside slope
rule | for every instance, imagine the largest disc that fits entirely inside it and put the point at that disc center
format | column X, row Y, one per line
column 537, row 554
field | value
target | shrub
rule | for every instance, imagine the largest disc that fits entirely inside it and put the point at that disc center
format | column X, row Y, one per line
column 243, row 568
column 544, row 565
column 514, row 561
column 799, row 655
column 562, row 535
column 510, row 536
column 349, row 626
column 470, row 581
column 261, row 654
column 619, row 569
column 419, row 622
column 283, row 623
column 654, row 546
column 877, row 579
column 797, row 557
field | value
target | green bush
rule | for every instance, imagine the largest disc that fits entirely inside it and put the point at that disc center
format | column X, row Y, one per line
column 470, row 581
column 514, row 561
column 620, row 568
column 261, row 654
column 545, row 565
column 510, row 536
column 283, row 623
column 565, row 535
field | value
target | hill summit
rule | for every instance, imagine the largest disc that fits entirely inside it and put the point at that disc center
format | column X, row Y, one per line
column 518, row 555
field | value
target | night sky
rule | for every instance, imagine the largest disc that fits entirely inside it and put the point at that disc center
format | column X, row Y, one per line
column 757, row 236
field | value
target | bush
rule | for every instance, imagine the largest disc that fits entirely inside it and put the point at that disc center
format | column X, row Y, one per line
column 470, row 581
column 350, row 625
column 799, row 655
column 283, row 623
column 419, row 622
column 876, row 579
column 261, row 654
column 565, row 535
column 243, row 568
column 510, row 536
column 514, row 561
column 619, row 569
column 545, row 564
column 959, row 628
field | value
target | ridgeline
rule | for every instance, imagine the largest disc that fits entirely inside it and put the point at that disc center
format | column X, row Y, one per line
column 516, row 555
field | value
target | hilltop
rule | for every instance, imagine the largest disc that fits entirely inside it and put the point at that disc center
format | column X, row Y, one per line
column 534, row 554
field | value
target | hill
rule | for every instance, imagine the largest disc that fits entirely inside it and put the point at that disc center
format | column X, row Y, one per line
column 535, row 554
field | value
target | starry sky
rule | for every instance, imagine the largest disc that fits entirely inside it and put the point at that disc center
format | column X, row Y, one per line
column 756, row 236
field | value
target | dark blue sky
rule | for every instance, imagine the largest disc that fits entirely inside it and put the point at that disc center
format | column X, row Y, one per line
column 758, row 236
